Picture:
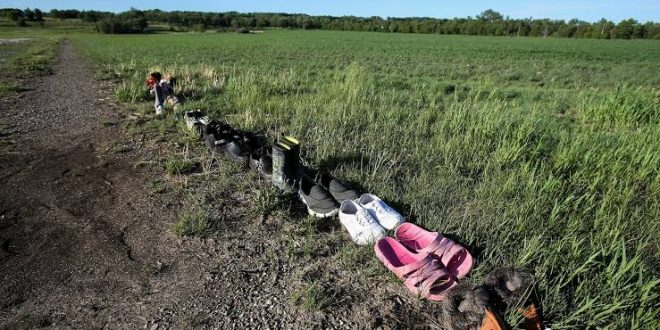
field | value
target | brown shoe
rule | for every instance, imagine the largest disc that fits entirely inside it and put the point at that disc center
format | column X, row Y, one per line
column 514, row 287
column 491, row 321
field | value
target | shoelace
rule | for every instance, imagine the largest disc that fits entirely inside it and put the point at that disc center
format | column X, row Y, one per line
column 382, row 207
column 364, row 218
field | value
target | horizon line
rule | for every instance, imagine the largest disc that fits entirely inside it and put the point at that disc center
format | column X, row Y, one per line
column 506, row 17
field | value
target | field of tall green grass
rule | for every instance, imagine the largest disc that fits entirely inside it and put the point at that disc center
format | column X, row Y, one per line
column 537, row 153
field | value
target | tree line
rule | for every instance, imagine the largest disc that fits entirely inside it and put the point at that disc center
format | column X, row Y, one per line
column 489, row 22
column 21, row 16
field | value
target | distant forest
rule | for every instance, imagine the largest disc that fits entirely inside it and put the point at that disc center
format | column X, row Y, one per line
column 488, row 23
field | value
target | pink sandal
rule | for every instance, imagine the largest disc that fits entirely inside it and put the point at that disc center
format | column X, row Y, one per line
column 423, row 275
column 453, row 256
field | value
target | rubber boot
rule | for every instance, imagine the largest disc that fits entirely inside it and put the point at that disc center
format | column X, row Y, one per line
column 281, row 175
column 286, row 155
column 293, row 162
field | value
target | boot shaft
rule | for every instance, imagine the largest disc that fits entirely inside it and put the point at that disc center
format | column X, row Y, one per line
column 286, row 156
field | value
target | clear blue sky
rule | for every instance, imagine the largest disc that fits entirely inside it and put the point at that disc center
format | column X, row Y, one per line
column 642, row 10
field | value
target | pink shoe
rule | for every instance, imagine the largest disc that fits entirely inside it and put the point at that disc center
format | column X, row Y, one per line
column 423, row 275
column 453, row 256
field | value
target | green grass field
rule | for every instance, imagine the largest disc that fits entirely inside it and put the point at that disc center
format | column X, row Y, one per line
column 536, row 153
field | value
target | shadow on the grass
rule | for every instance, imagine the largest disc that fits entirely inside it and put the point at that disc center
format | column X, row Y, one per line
column 333, row 162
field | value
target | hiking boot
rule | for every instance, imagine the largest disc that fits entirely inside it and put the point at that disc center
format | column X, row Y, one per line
column 262, row 163
column 219, row 129
column 266, row 167
column 199, row 129
column 254, row 160
column 255, row 141
column 339, row 190
column 318, row 201
column 196, row 122
column 359, row 223
column 218, row 134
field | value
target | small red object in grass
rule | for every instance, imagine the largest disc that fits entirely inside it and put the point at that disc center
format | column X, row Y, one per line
column 151, row 82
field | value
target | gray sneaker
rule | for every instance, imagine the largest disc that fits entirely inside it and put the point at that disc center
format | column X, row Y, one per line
column 318, row 201
column 339, row 190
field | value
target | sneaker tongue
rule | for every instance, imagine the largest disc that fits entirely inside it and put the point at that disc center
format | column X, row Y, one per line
column 370, row 204
column 337, row 186
column 318, row 192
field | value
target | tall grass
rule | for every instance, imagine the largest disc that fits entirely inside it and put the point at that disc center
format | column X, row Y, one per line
column 521, row 149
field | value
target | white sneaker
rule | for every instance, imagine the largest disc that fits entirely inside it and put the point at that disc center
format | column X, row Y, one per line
column 159, row 110
column 359, row 223
column 387, row 216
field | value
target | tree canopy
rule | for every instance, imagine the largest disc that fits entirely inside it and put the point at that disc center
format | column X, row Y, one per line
column 489, row 22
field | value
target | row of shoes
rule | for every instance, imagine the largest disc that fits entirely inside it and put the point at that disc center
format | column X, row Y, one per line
column 366, row 217
column 245, row 148
column 428, row 263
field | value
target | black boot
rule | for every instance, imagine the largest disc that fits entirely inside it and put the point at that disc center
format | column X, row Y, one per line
column 286, row 156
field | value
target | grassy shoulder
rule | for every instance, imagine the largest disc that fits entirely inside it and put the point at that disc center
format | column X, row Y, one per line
column 23, row 57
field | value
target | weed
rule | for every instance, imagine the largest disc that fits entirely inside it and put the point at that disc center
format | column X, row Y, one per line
column 192, row 223
column 313, row 296
column 7, row 88
column 158, row 187
column 265, row 200
column 176, row 165
column 121, row 148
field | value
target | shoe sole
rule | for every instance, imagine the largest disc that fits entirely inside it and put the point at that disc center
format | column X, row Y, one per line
column 316, row 214
column 322, row 215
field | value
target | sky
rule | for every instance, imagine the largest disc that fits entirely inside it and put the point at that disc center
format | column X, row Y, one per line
column 641, row 10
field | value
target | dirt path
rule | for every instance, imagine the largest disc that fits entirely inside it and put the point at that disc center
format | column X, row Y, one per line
column 70, row 213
